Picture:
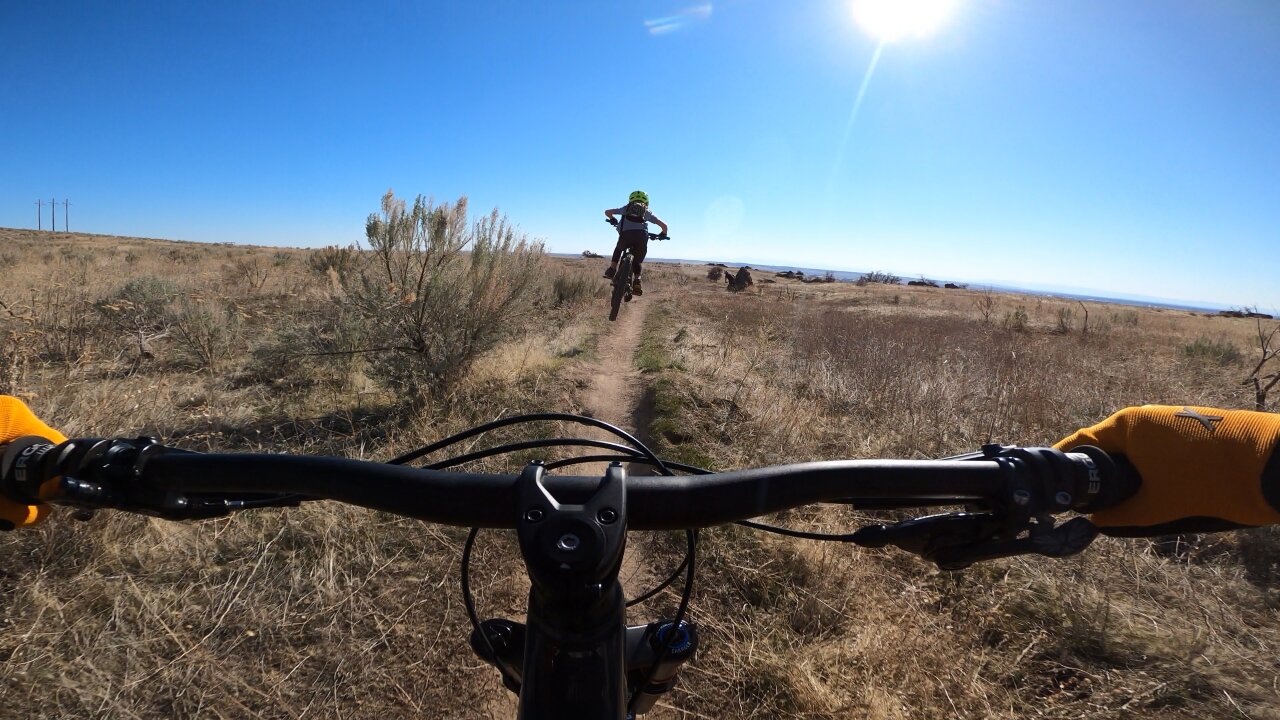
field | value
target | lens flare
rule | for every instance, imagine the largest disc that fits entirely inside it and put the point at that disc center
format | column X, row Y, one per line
column 684, row 18
column 890, row 20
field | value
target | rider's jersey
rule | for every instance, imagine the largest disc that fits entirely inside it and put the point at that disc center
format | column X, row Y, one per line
column 624, row 224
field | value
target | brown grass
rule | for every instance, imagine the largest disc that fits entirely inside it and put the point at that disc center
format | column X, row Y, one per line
column 330, row 611
column 796, row 629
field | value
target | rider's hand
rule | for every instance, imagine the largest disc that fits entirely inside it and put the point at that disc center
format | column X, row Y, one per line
column 16, row 420
column 1202, row 469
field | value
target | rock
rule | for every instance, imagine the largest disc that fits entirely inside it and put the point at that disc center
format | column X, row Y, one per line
column 740, row 281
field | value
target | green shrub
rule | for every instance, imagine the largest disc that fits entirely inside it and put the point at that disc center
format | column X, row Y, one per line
column 140, row 305
column 205, row 337
column 316, row 347
column 1222, row 352
column 877, row 277
column 431, row 308
column 1127, row 318
column 1016, row 320
column 1065, row 319
column 340, row 260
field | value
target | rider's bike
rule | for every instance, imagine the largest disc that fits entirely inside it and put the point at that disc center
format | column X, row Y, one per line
column 622, row 277
column 575, row 656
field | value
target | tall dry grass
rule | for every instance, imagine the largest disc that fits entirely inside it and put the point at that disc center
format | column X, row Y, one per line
column 321, row 610
column 329, row 611
column 799, row 629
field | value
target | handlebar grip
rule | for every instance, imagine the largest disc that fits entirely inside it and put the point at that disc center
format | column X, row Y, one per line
column 1119, row 479
column 24, row 468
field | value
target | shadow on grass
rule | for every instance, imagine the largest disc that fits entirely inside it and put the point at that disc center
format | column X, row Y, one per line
column 332, row 433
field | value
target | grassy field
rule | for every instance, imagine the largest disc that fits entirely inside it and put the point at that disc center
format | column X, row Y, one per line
column 332, row 611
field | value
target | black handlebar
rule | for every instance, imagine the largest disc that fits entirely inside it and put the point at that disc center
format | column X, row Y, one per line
column 144, row 476
column 652, row 236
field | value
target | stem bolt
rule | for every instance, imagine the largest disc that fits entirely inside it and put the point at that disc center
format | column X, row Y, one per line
column 607, row 516
column 569, row 542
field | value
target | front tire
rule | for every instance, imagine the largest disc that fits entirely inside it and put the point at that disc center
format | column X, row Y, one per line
column 621, row 284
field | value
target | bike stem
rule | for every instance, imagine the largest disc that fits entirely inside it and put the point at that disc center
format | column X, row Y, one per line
column 574, row 661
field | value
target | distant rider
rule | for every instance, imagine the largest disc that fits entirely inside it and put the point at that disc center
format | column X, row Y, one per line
column 633, row 232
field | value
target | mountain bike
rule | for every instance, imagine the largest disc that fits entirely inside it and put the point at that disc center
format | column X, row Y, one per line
column 622, row 277
column 576, row 656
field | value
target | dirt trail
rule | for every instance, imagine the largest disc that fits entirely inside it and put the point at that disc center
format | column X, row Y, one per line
column 612, row 389
column 614, row 384
column 613, row 392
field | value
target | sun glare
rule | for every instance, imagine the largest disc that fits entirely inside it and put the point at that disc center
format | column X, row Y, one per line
column 889, row 20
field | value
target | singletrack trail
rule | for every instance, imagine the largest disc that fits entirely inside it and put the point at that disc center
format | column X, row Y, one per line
column 613, row 393
column 610, row 389
column 613, row 386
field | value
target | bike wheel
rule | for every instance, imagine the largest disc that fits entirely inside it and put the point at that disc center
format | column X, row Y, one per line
column 621, row 284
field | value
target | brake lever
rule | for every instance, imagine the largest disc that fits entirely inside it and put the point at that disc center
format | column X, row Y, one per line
column 957, row 540
column 94, row 474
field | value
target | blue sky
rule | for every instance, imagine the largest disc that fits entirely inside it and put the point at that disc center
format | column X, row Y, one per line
column 1123, row 146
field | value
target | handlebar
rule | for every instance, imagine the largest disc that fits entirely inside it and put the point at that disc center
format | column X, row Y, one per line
column 652, row 236
column 143, row 476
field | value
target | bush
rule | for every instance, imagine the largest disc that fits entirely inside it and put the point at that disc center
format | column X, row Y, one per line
column 340, row 260
column 205, row 338
column 574, row 288
column 1221, row 352
column 319, row 347
column 138, row 313
column 1127, row 318
column 249, row 272
column 1065, row 319
column 879, row 278
column 429, row 307
column 1016, row 320
column 141, row 304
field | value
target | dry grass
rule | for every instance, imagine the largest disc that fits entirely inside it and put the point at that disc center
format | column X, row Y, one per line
column 322, row 610
column 330, row 611
column 796, row 629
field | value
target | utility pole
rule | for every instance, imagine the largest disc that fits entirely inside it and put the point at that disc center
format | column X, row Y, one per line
column 39, row 214
column 53, row 214
column 66, row 224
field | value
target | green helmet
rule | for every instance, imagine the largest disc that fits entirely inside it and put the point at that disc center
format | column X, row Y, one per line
column 639, row 196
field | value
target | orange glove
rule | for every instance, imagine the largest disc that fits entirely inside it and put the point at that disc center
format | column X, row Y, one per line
column 1202, row 469
column 17, row 420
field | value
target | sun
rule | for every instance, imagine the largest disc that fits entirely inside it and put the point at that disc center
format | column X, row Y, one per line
column 889, row 20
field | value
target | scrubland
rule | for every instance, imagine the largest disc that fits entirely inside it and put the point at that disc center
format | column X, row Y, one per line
column 332, row 611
